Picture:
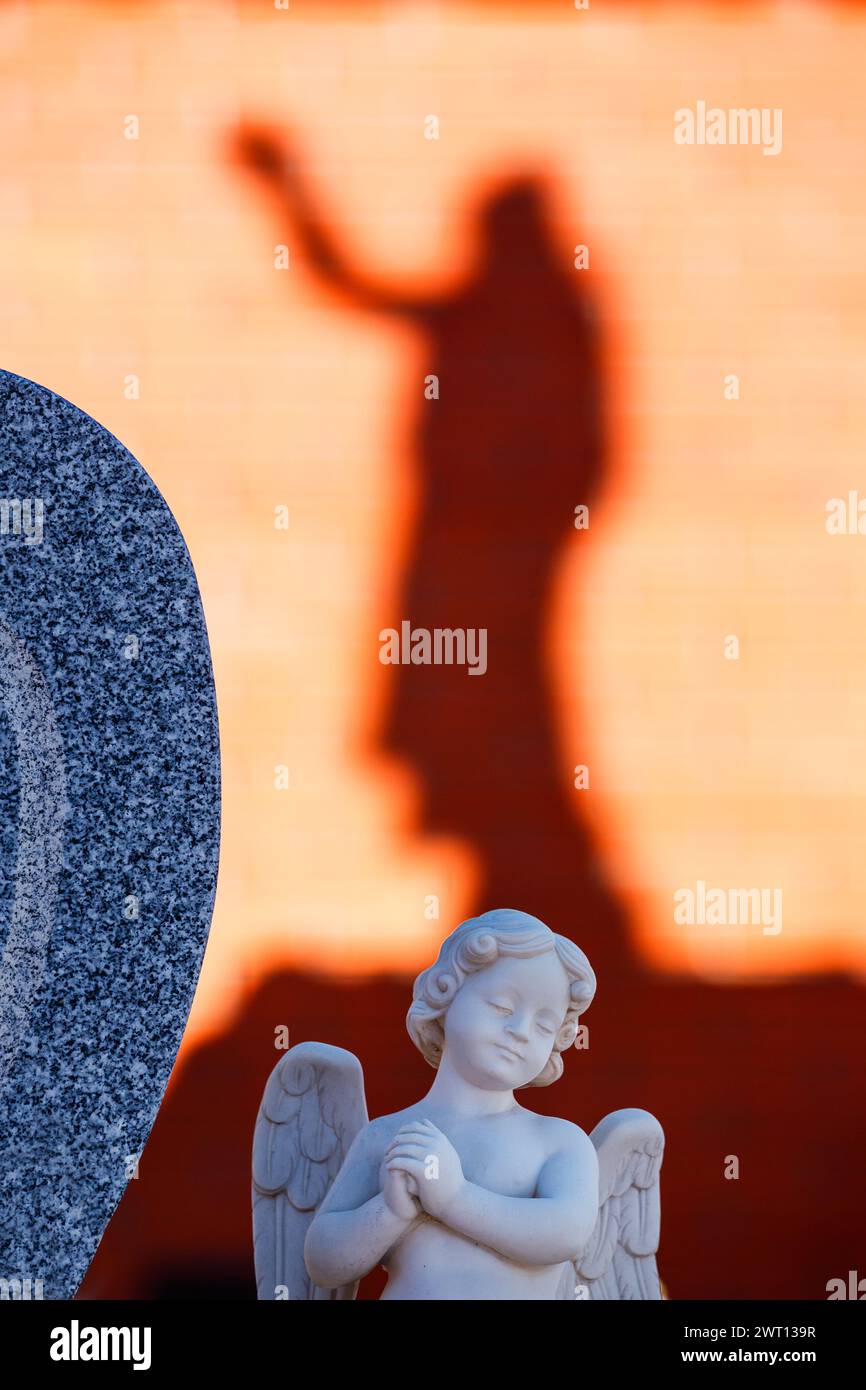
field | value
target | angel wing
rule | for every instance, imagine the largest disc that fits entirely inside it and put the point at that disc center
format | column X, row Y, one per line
column 312, row 1107
column 620, row 1258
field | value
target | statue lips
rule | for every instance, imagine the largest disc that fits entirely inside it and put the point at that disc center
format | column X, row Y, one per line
column 515, row 1056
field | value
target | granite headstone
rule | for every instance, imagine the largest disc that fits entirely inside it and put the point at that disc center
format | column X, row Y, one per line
column 109, row 826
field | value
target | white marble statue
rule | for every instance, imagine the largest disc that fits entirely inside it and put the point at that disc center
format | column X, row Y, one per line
column 467, row 1194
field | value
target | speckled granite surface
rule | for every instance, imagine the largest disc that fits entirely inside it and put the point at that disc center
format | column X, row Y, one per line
column 109, row 824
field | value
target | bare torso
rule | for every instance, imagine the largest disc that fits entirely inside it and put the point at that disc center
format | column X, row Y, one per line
column 503, row 1153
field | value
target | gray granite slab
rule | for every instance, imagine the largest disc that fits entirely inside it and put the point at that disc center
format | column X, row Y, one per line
column 109, row 826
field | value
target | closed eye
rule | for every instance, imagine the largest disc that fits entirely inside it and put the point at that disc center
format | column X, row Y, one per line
column 500, row 1008
column 544, row 1028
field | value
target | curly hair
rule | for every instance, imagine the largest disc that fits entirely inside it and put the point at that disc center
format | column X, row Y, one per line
column 478, row 942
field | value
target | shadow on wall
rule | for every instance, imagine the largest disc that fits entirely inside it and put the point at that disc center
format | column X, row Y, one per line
column 512, row 445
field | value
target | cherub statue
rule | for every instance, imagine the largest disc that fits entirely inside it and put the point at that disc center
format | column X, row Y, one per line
column 466, row 1194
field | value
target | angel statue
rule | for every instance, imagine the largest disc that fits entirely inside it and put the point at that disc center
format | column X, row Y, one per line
column 466, row 1194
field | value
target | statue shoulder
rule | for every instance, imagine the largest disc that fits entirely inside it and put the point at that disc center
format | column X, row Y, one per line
column 379, row 1132
column 565, row 1136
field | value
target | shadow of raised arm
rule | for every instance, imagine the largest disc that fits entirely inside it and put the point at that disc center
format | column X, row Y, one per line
column 273, row 160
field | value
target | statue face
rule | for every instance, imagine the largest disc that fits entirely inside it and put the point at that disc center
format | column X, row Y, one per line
column 502, row 1024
